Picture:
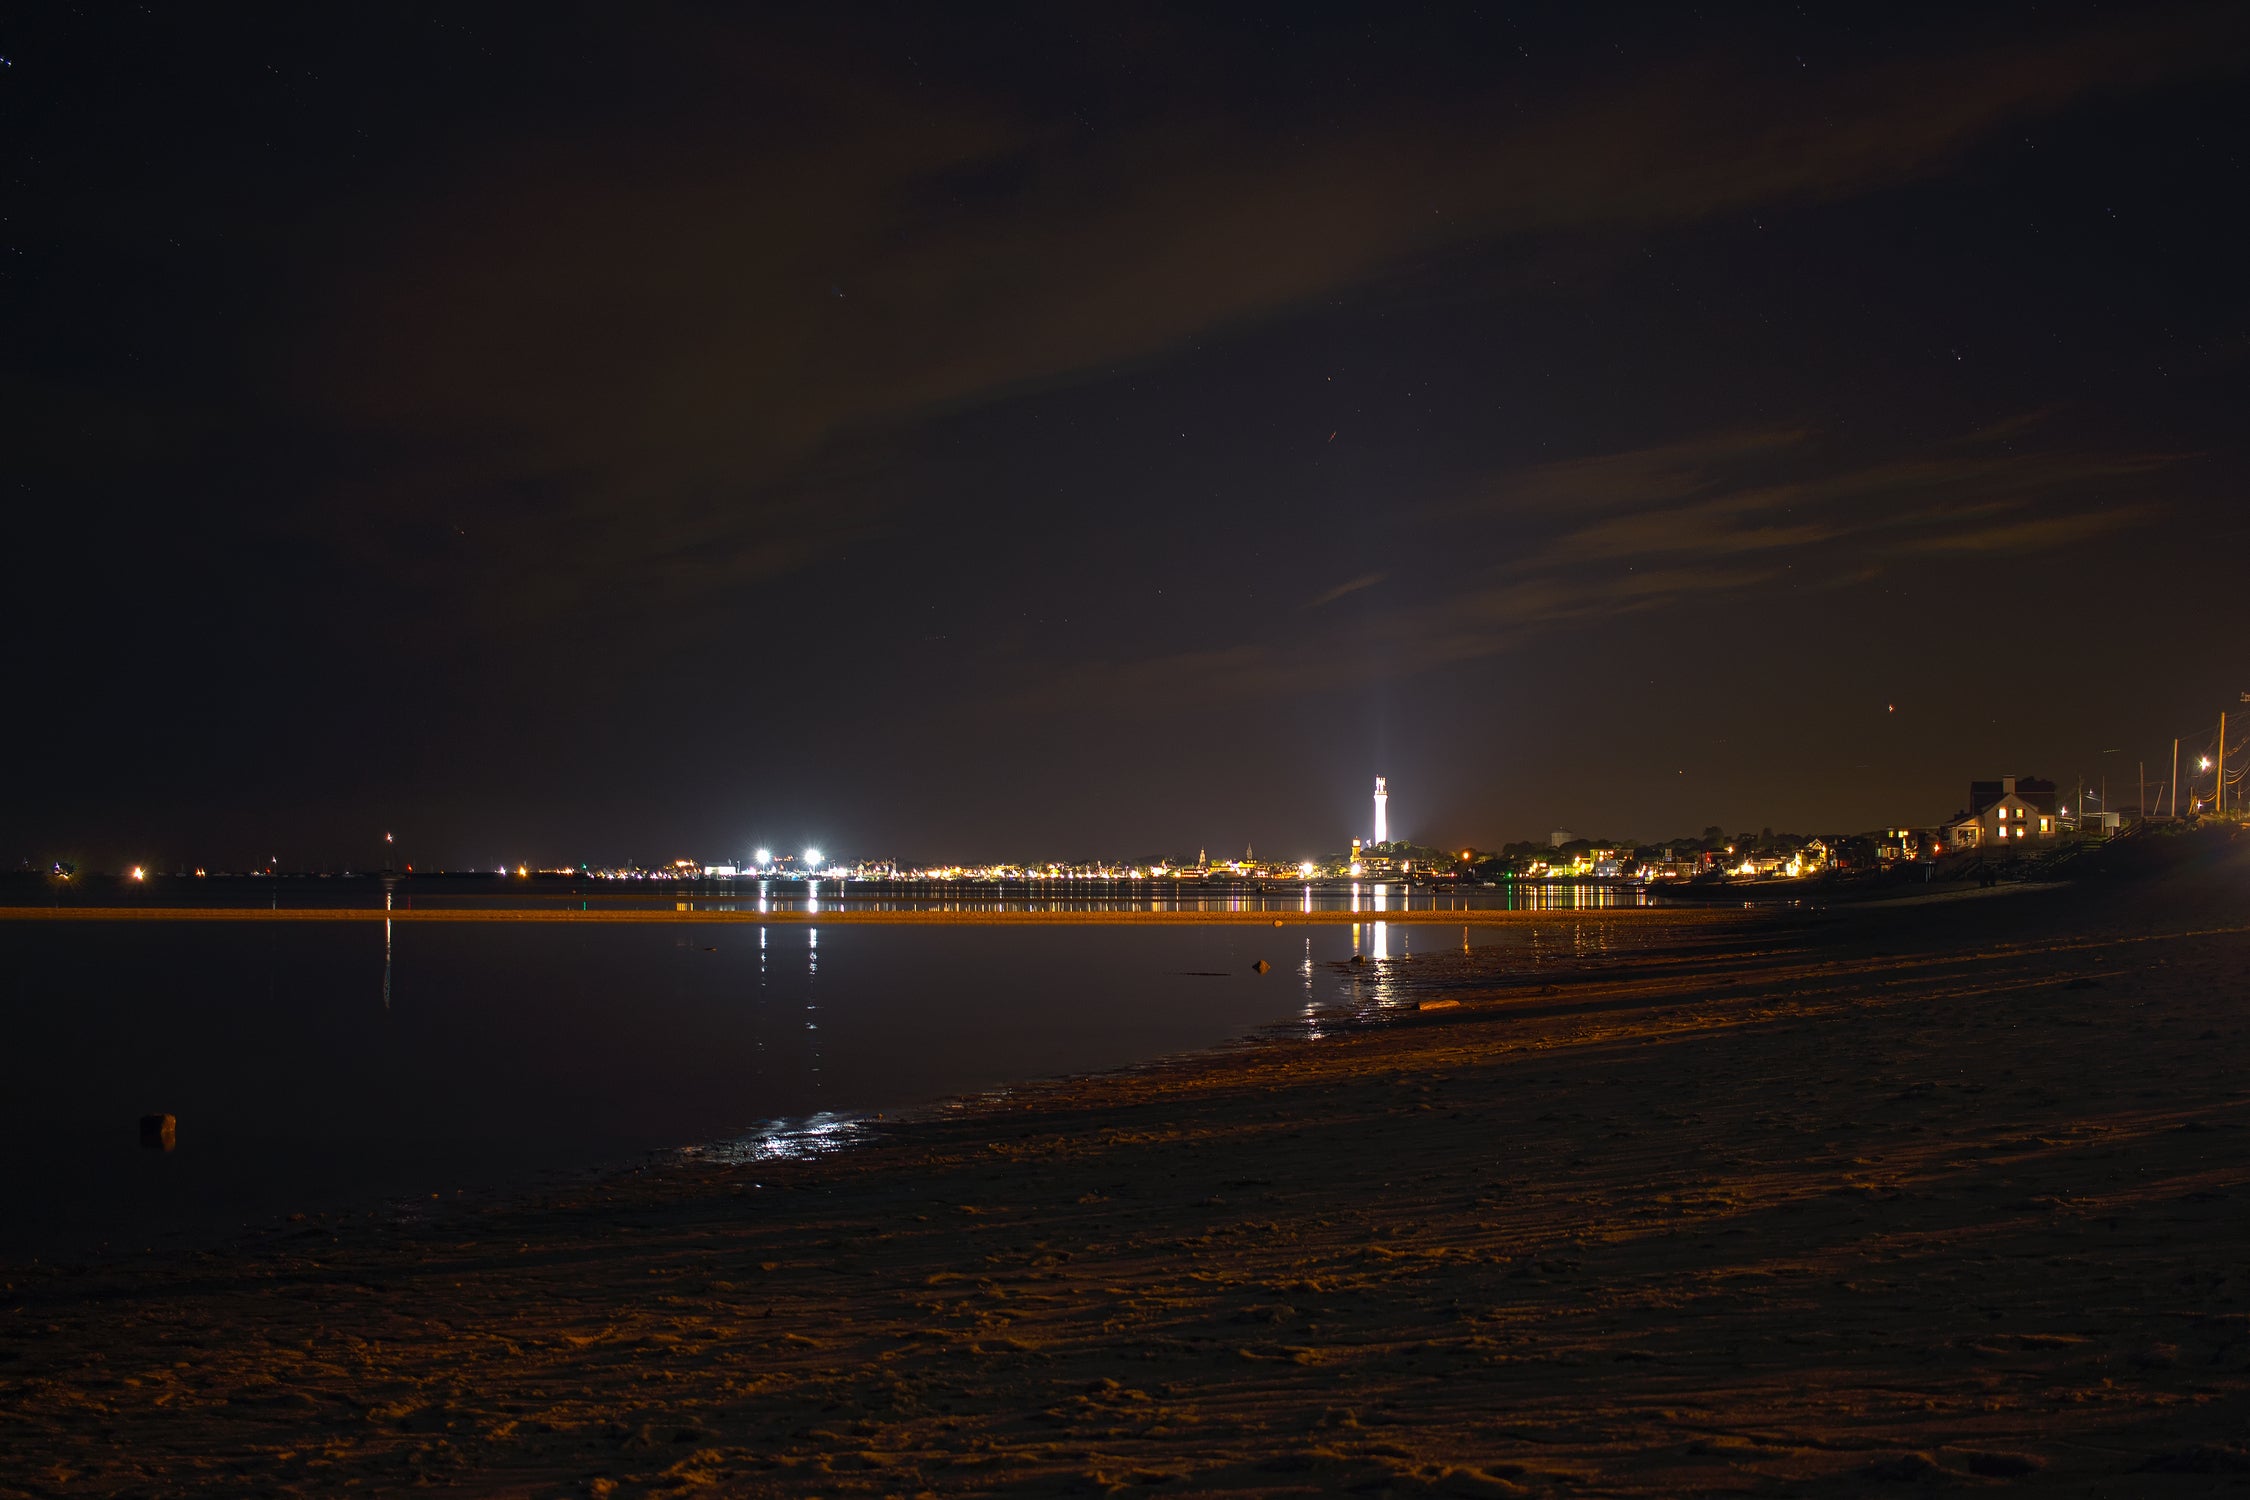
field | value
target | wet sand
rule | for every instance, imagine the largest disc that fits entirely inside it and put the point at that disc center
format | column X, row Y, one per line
column 1777, row 1203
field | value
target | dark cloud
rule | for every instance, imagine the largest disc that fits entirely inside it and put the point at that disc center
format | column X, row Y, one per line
column 1928, row 502
column 665, row 353
column 1349, row 586
column 1667, row 528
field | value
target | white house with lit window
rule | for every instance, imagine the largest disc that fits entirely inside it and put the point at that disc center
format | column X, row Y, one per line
column 2006, row 815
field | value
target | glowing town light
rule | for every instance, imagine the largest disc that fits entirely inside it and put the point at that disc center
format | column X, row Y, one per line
column 2205, row 763
column 812, row 859
column 139, row 873
column 765, row 857
column 1305, row 869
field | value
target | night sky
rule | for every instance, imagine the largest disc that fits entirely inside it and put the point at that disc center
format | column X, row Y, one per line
column 598, row 434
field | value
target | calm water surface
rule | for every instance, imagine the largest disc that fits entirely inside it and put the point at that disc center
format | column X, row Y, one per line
column 318, row 1068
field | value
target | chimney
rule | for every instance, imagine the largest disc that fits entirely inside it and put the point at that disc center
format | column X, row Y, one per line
column 2007, row 786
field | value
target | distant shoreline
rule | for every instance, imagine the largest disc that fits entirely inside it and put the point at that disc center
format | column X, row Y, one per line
column 1469, row 917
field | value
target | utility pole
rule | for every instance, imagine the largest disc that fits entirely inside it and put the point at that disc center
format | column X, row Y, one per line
column 2140, row 803
column 2219, row 769
column 2175, row 778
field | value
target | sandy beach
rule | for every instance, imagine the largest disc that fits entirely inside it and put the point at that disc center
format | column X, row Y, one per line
column 1765, row 1203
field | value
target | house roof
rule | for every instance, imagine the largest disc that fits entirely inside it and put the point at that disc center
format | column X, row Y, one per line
column 2031, row 790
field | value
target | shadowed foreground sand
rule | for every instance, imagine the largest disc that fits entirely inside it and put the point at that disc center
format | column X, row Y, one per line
column 1954, row 1195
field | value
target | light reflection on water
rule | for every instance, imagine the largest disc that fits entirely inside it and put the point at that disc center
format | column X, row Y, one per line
column 307, row 1067
column 785, row 1140
column 772, row 896
column 829, row 895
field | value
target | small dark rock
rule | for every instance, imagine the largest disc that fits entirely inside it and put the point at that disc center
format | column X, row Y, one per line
column 1261, row 966
column 2003, row 1465
column 2203, row 1458
column 1906, row 1468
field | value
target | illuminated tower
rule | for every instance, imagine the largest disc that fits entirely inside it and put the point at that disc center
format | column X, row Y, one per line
column 1382, row 819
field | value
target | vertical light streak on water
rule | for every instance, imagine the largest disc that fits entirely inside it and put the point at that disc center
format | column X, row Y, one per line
column 758, row 1015
column 812, row 998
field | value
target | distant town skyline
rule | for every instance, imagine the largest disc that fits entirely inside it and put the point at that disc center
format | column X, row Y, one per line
column 2058, row 810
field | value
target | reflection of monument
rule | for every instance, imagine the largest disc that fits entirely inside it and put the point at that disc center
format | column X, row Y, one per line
column 1382, row 820
column 390, row 889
